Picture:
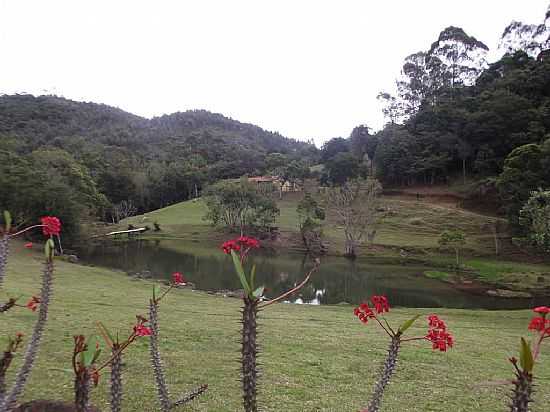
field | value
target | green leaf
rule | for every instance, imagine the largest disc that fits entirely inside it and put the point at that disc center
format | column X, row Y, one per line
column 252, row 276
column 49, row 248
column 258, row 293
column 526, row 357
column 7, row 220
column 407, row 324
column 89, row 355
column 240, row 271
column 156, row 291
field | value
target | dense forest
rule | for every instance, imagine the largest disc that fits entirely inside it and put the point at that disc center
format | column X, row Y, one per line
column 456, row 117
column 82, row 159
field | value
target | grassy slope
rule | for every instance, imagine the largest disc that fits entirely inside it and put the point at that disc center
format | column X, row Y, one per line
column 314, row 358
column 406, row 224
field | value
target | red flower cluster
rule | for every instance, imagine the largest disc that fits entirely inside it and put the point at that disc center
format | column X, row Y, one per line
column 380, row 303
column 142, row 330
column 178, row 279
column 364, row 313
column 241, row 243
column 438, row 335
column 33, row 303
column 540, row 323
column 542, row 310
column 50, row 225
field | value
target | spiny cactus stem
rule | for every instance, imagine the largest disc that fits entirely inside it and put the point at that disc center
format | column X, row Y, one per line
column 4, row 365
column 160, row 379
column 249, row 354
column 523, row 390
column 116, row 378
column 4, row 251
column 82, row 390
column 32, row 348
column 386, row 373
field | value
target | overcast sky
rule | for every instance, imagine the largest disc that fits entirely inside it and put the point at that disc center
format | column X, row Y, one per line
column 308, row 69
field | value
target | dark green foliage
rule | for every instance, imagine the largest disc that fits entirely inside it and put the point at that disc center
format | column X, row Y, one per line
column 534, row 217
column 93, row 156
column 470, row 130
column 526, row 168
column 239, row 205
column 310, row 216
column 340, row 168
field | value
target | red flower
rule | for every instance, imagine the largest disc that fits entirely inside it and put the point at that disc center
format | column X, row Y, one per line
column 51, row 225
column 380, row 303
column 249, row 242
column 438, row 335
column 542, row 310
column 28, row 245
column 141, row 330
column 364, row 313
column 241, row 243
column 178, row 279
column 33, row 303
column 538, row 323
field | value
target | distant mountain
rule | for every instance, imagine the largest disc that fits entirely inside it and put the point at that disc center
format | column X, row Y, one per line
column 43, row 118
column 104, row 155
column 531, row 38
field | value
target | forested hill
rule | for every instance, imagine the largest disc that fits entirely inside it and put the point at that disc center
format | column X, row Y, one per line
column 46, row 119
column 103, row 155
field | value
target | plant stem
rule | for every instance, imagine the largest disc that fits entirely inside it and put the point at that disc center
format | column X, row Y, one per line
column 9, row 402
column 160, row 378
column 386, row 373
column 249, row 353
column 116, row 378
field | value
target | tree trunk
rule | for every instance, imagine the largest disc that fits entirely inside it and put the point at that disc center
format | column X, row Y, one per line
column 350, row 249
column 457, row 259
column 464, row 170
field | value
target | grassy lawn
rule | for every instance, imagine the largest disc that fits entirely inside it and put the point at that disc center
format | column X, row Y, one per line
column 314, row 358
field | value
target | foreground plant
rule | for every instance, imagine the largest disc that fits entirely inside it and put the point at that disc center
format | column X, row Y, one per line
column 50, row 227
column 523, row 382
column 117, row 349
column 374, row 310
column 239, row 249
column 160, row 378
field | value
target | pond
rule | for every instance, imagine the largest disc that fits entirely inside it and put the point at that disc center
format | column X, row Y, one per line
column 337, row 280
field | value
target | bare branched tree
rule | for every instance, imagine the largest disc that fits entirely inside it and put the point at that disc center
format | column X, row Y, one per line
column 123, row 209
column 354, row 207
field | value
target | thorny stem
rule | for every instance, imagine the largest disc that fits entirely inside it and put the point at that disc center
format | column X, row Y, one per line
column 387, row 371
column 294, row 289
column 9, row 402
column 4, row 251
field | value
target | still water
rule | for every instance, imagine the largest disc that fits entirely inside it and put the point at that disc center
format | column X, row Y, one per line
column 337, row 280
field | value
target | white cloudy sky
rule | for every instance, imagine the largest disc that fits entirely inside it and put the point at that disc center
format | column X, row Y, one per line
column 308, row 69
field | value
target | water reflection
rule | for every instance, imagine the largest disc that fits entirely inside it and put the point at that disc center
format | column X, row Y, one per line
column 337, row 281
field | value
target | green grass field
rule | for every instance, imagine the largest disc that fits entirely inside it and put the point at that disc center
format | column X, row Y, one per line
column 404, row 223
column 313, row 358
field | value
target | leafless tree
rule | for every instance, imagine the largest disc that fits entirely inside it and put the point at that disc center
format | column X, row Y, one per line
column 122, row 210
column 354, row 206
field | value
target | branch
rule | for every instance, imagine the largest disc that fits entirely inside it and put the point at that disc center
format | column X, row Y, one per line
column 295, row 289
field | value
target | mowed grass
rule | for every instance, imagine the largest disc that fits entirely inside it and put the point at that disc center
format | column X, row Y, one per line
column 313, row 358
